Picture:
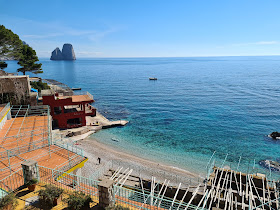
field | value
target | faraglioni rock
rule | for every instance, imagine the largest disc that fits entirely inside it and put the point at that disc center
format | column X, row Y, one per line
column 66, row 54
column 56, row 54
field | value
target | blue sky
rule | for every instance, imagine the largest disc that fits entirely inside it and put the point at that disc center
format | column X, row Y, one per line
column 147, row 28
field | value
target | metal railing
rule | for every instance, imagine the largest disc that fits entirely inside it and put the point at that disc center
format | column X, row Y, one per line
column 132, row 198
column 161, row 175
column 69, row 182
column 267, row 205
column 84, row 93
column 26, row 134
column 11, row 182
column 144, row 200
column 4, row 110
column 3, row 113
column 90, row 96
column 71, row 147
column 122, row 195
column 98, row 174
column 24, row 148
column 71, row 162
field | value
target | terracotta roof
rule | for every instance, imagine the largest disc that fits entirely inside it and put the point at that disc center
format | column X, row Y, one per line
column 77, row 98
column 52, row 156
column 27, row 138
column 20, row 131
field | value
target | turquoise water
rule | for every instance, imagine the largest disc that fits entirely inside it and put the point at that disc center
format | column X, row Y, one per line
column 197, row 105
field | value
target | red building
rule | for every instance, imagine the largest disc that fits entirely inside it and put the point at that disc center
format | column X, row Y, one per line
column 70, row 111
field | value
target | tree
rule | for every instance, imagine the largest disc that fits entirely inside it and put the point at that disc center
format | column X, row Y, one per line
column 3, row 65
column 27, row 60
column 10, row 44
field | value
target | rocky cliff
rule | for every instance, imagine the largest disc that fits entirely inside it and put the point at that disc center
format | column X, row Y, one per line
column 56, row 54
column 66, row 54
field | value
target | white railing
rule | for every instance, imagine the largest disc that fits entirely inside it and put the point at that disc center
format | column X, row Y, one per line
column 91, row 97
column 3, row 114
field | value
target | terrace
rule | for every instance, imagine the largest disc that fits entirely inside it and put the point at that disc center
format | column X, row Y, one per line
column 26, row 135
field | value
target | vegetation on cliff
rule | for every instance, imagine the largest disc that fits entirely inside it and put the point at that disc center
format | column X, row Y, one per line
column 13, row 48
column 10, row 44
column 39, row 85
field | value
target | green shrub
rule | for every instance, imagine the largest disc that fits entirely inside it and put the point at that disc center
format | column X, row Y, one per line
column 77, row 200
column 39, row 85
column 30, row 207
column 8, row 199
column 3, row 65
column 31, row 182
column 49, row 193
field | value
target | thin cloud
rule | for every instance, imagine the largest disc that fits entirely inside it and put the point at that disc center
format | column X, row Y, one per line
column 91, row 35
column 265, row 43
column 101, row 34
column 88, row 53
column 248, row 44
column 257, row 43
column 60, row 30
column 36, row 36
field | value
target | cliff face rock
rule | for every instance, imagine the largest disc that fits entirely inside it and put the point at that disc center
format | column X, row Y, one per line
column 56, row 54
column 66, row 54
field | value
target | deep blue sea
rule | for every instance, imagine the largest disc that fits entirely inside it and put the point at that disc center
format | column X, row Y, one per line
column 197, row 106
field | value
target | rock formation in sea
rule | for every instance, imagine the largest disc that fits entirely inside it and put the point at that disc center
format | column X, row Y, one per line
column 270, row 164
column 275, row 135
column 56, row 54
column 66, row 54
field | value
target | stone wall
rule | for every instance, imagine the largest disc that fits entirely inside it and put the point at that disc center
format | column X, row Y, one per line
column 30, row 170
column 106, row 196
column 15, row 89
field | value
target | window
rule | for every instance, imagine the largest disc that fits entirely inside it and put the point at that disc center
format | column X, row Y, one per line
column 57, row 110
column 75, row 121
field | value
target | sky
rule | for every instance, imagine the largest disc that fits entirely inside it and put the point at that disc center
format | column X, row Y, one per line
column 147, row 28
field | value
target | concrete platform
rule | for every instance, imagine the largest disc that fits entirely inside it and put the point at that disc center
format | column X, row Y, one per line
column 93, row 125
column 101, row 122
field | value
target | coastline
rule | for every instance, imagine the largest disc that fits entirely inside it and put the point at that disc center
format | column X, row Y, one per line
column 93, row 149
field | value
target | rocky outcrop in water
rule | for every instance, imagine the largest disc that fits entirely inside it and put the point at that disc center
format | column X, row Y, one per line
column 66, row 54
column 274, row 135
column 56, row 54
column 270, row 164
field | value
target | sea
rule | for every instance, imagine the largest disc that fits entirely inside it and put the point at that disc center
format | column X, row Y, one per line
column 201, row 111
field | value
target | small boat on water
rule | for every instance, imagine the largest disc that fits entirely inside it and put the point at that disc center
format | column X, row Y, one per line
column 76, row 88
column 152, row 78
column 114, row 139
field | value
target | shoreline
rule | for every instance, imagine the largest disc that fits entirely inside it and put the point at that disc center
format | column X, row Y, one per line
column 93, row 149
column 114, row 157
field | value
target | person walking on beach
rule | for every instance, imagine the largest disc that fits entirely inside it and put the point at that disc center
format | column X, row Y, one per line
column 98, row 160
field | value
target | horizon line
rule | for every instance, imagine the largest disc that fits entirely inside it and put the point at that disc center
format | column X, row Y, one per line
column 205, row 56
